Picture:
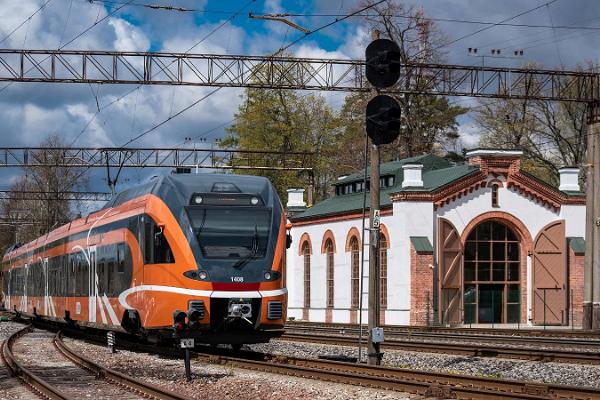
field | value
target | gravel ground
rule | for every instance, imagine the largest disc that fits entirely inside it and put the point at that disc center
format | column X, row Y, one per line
column 221, row 382
column 11, row 388
column 534, row 371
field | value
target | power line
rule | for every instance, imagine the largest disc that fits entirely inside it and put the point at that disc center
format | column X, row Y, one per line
column 282, row 49
column 433, row 19
column 496, row 24
column 25, row 21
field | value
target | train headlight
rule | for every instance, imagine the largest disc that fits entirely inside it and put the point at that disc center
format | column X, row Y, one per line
column 254, row 201
column 202, row 275
column 268, row 275
column 198, row 200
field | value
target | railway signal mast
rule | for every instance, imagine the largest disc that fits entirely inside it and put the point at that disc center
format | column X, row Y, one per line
column 383, row 127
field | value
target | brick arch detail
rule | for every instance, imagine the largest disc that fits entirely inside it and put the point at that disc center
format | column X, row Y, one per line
column 385, row 233
column 495, row 182
column 510, row 220
column 353, row 232
column 327, row 235
column 525, row 249
column 305, row 238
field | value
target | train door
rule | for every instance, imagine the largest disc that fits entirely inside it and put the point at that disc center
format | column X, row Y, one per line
column 24, row 299
column 46, row 294
column 93, row 284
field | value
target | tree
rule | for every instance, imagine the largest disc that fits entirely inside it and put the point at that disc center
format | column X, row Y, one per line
column 48, row 213
column 283, row 120
column 429, row 122
column 550, row 134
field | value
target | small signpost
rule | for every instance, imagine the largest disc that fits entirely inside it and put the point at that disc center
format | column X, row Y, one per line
column 111, row 341
column 187, row 344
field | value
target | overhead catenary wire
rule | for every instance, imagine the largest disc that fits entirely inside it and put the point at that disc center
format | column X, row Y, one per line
column 25, row 21
column 154, row 127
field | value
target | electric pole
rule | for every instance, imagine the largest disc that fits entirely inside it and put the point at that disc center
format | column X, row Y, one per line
column 383, row 127
column 591, row 278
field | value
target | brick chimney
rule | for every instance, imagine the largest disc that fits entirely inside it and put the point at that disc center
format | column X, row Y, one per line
column 569, row 179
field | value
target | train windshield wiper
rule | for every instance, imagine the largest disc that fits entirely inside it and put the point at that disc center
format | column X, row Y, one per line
column 253, row 252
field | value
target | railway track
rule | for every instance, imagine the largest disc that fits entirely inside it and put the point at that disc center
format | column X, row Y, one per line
column 53, row 371
column 423, row 383
column 470, row 350
column 551, row 333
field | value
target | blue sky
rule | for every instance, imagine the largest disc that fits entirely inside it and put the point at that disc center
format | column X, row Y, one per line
column 30, row 112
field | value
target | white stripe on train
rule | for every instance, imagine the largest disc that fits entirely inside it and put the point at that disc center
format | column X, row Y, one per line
column 200, row 293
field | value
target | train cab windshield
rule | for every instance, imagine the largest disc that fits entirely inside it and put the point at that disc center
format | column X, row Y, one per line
column 231, row 233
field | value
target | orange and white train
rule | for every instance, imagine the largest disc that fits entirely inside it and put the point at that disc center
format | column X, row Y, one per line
column 209, row 247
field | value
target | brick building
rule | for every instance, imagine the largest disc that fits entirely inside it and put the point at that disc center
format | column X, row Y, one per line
column 478, row 242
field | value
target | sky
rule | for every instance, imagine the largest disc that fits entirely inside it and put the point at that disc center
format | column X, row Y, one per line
column 31, row 111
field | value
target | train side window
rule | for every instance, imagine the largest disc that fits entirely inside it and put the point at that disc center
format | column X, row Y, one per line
column 121, row 258
column 110, row 268
column 156, row 246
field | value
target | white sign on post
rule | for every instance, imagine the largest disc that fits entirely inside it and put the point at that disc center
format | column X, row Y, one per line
column 186, row 343
column 376, row 219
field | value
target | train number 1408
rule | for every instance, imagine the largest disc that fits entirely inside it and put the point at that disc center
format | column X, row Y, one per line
column 237, row 279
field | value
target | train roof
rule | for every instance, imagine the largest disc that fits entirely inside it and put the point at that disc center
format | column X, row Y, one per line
column 180, row 186
column 188, row 184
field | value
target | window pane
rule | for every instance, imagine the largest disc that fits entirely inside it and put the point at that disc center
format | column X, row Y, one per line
column 469, row 271
column 483, row 251
column 513, row 293
column 513, row 311
column 470, row 313
column 498, row 231
column 498, row 271
column 498, row 251
column 470, row 250
column 513, row 272
column 483, row 231
column 512, row 251
column 470, row 294
column 483, row 271
column 510, row 235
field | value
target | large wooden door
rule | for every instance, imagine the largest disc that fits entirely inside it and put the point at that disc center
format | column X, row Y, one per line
column 549, row 275
column 450, row 273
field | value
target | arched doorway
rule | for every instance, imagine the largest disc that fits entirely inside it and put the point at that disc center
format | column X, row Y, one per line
column 491, row 274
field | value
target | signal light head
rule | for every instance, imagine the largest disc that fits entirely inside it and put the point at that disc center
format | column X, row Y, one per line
column 382, row 63
column 179, row 320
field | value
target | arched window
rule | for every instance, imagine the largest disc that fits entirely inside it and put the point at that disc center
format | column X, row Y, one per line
column 383, row 249
column 329, row 252
column 492, row 274
column 355, row 271
column 306, row 254
column 495, row 195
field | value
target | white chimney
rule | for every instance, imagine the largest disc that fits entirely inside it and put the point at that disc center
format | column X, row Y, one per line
column 295, row 198
column 412, row 175
column 569, row 179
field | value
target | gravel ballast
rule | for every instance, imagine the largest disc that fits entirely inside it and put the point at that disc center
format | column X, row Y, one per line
column 11, row 388
column 534, row 371
column 221, row 382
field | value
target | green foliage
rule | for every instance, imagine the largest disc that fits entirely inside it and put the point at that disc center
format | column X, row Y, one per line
column 280, row 120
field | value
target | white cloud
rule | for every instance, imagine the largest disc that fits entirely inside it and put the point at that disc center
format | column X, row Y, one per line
column 128, row 37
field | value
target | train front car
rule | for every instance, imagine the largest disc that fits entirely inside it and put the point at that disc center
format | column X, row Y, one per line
column 216, row 270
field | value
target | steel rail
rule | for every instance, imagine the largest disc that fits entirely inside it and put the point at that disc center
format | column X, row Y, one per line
column 484, row 332
column 425, row 383
column 135, row 385
column 471, row 350
column 30, row 379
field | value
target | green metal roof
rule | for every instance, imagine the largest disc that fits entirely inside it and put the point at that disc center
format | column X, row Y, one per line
column 421, row 244
column 437, row 173
column 429, row 162
column 577, row 244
